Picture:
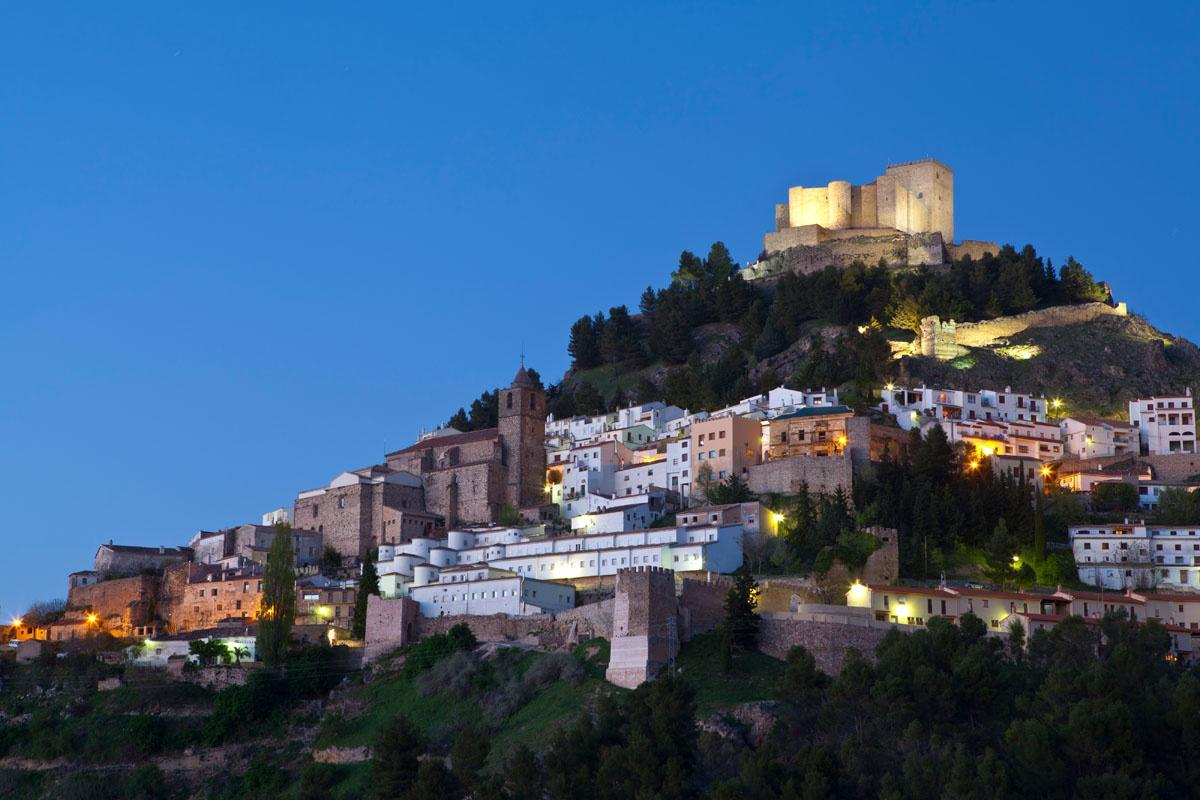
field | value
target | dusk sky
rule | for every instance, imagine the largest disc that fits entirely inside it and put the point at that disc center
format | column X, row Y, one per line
column 244, row 247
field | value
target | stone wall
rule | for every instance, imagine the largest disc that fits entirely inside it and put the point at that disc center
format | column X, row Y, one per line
column 396, row 622
column 945, row 340
column 391, row 623
column 121, row 603
column 785, row 476
column 702, row 605
column 1176, row 467
column 970, row 247
column 793, row 252
column 826, row 635
column 883, row 566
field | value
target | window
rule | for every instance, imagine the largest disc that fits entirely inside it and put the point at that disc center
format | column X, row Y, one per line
column 508, row 400
column 341, row 502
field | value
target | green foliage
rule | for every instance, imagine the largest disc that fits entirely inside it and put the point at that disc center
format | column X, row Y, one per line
column 395, row 759
column 469, row 755
column 331, row 559
column 741, row 620
column 584, row 344
column 507, row 514
column 368, row 585
column 277, row 609
column 1178, row 507
column 210, row 651
column 1114, row 496
column 731, row 490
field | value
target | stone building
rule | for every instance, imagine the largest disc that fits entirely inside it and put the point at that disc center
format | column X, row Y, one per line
column 324, row 601
column 199, row 596
column 252, row 543
column 122, row 559
column 817, row 431
column 360, row 509
column 468, row 476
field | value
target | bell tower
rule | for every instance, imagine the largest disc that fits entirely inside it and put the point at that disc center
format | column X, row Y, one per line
column 523, row 436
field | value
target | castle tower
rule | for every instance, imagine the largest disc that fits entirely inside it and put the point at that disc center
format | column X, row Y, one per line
column 523, row 437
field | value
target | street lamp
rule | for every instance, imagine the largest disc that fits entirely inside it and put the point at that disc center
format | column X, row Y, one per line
column 92, row 619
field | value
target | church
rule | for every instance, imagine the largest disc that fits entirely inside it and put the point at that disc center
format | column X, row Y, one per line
column 468, row 476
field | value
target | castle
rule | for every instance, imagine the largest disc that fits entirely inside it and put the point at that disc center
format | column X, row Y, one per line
column 904, row 216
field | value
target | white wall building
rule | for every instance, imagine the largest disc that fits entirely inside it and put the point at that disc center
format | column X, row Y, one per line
column 1093, row 437
column 912, row 405
column 277, row 516
column 479, row 590
column 155, row 652
column 1165, row 424
column 1137, row 556
column 528, row 553
column 678, row 466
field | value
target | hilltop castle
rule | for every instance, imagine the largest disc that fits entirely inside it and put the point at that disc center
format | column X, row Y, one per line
column 904, row 216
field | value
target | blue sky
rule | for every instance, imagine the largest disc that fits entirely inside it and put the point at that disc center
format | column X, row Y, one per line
column 246, row 246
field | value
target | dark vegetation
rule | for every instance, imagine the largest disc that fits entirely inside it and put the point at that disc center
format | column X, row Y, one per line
column 768, row 320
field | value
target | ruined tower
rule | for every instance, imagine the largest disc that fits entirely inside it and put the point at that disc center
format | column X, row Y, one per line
column 523, row 437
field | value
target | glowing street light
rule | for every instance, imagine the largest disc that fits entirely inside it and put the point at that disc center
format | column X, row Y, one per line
column 92, row 619
column 1056, row 403
column 777, row 518
column 1045, row 472
column 972, row 465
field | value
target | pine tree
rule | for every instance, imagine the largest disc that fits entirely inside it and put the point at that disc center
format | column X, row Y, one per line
column 584, row 345
column 740, row 617
column 277, row 608
column 395, row 759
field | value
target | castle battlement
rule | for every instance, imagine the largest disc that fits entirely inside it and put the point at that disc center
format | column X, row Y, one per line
column 910, row 197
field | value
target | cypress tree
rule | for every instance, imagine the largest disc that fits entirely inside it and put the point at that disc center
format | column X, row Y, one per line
column 277, row 608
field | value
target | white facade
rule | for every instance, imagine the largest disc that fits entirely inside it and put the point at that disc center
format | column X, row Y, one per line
column 1039, row 440
column 1132, row 556
column 277, row 516
column 481, row 591
column 156, row 652
column 527, row 553
column 679, row 478
column 1091, row 437
column 913, row 405
column 1165, row 424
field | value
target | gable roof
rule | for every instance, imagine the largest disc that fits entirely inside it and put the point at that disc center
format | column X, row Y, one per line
column 449, row 441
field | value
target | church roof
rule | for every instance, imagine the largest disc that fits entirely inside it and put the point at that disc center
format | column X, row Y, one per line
column 451, row 440
column 522, row 379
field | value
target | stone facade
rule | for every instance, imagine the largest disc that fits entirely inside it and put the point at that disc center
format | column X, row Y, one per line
column 392, row 623
column 912, row 197
column 823, row 474
column 198, row 597
column 361, row 509
column 645, row 625
column 818, row 431
column 701, row 605
column 123, row 606
column 252, row 543
column 871, row 441
column 468, row 476
column 883, row 566
column 120, row 560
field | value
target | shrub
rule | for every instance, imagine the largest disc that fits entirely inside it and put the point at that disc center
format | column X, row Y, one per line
column 454, row 674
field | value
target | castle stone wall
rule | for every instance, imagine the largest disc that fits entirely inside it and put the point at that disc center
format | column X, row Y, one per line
column 825, row 635
column 121, row 603
column 702, row 605
column 946, row 340
column 785, row 476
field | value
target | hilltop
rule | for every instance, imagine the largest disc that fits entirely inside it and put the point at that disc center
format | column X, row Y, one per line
column 712, row 336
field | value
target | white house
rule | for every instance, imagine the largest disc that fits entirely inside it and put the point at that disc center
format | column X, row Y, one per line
column 1165, row 424
column 1137, row 556
column 679, row 477
column 1094, row 437
column 912, row 405
column 156, row 651
column 479, row 590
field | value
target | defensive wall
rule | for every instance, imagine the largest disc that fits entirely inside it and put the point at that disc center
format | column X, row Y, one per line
column 945, row 339
column 395, row 622
column 825, row 631
column 121, row 603
column 785, row 476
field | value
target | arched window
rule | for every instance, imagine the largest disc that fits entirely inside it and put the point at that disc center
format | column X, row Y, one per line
column 508, row 400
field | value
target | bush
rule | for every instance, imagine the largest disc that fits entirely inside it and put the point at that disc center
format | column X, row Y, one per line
column 554, row 667
column 454, row 674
